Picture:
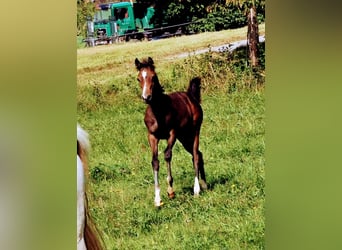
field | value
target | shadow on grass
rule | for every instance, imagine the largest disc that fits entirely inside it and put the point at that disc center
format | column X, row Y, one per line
column 187, row 190
column 222, row 180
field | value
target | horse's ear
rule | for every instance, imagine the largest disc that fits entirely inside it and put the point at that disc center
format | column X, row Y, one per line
column 150, row 61
column 137, row 64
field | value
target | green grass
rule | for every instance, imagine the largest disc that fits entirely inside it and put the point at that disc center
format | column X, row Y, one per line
column 230, row 214
column 80, row 43
column 100, row 64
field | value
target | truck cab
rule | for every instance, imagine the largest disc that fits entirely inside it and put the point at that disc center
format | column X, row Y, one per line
column 113, row 20
column 124, row 16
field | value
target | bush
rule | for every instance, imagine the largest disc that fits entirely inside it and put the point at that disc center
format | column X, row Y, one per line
column 229, row 71
column 206, row 15
column 220, row 17
column 85, row 9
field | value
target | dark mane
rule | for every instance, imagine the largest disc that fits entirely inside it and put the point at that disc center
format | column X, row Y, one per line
column 157, row 87
column 146, row 63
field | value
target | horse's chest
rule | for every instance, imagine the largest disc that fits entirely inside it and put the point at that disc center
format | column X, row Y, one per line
column 160, row 126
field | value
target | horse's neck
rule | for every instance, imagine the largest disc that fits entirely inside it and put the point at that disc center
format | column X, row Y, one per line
column 160, row 103
column 160, row 100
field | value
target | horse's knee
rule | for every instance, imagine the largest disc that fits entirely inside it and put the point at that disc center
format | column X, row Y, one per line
column 168, row 155
column 155, row 163
column 200, row 157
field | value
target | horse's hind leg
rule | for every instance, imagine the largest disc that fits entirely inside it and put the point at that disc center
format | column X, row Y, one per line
column 196, row 161
column 168, row 157
column 201, row 170
column 192, row 146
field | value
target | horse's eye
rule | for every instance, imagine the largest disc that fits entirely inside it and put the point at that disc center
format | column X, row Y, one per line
column 138, row 79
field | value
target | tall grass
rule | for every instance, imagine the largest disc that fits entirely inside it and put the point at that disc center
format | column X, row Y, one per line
column 230, row 214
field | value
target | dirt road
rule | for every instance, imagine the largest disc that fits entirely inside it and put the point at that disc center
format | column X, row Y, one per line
column 221, row 48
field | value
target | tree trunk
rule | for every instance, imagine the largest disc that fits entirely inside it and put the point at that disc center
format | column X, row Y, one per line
column 253, row 37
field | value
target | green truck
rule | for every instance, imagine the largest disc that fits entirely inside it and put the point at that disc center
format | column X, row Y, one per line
column 121, row 20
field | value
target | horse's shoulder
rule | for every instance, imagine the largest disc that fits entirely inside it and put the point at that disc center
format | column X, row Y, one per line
column 150, row 120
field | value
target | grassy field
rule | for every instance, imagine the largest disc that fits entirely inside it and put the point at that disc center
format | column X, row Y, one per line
column 230, row 214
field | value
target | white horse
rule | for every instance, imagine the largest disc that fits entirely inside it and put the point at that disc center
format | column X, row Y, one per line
column 87, row 234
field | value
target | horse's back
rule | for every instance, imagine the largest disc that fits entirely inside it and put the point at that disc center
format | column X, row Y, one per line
column 188, row 110
column 175, row 111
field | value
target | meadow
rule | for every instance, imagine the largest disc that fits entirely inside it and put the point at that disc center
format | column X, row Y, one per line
column 231, row 213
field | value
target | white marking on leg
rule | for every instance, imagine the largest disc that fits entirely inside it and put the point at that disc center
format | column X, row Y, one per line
column 196, row 187
column 168, row 179
column 157, row 200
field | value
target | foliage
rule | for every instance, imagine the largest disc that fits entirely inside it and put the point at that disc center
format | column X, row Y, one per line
column 221, row 71
column 220, row 17
column 207, row 15
column 85, row 9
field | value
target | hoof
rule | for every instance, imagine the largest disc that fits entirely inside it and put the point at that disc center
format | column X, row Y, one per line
column 171, row 195
column 203, row 185
column 158, row 204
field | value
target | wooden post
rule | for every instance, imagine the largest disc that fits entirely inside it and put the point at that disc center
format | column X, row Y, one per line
column 253, row 37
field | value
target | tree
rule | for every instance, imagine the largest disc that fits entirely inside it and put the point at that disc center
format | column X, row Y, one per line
column 250, row 8
column 85, row 9
column 253, row 36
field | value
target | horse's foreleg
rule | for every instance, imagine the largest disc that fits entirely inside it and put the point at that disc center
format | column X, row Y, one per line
column 153, row 141
column 168, row 157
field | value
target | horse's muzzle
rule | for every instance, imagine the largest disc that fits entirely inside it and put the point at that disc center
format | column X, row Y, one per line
column 147, row 99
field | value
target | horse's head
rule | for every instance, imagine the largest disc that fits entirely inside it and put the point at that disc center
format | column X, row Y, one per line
column 148, row 79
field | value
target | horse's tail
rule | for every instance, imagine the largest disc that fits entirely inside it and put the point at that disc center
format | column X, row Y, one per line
column 92, row 237
column 194, row 89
